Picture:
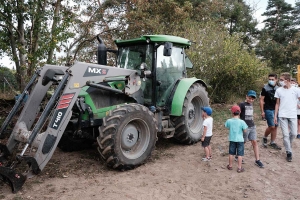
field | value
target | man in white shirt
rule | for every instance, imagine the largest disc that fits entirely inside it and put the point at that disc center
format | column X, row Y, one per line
column 286, row 104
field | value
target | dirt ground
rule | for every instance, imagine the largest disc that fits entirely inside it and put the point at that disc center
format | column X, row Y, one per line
column 173, row 172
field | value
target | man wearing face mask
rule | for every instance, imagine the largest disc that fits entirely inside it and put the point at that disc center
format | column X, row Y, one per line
column 286, row 104
column 267, row 106
column 294, row 83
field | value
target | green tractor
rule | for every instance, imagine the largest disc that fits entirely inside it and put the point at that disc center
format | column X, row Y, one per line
column 124, row 108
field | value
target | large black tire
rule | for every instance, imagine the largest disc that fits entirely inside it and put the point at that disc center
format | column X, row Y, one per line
column 189, row 126
column 69, row 143
column 127, row 136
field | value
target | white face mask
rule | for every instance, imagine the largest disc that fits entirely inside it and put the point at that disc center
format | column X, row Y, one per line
column 271, row 82
column 282, row 83
column 293, row 85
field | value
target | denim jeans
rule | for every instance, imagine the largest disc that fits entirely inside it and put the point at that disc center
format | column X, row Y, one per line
column 289, row 131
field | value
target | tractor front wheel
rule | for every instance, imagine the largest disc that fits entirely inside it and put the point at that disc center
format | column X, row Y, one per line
column 189, row 126
column 127, row 136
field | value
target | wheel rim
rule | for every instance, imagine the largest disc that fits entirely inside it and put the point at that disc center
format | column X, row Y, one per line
column 194, row 117
column 135, row 138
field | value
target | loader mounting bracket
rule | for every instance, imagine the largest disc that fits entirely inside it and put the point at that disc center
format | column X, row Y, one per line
column 31, row 163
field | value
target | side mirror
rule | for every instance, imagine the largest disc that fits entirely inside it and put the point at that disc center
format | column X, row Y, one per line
column 168, row 49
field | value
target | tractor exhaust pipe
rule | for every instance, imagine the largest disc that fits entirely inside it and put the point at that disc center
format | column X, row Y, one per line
column 101, row 52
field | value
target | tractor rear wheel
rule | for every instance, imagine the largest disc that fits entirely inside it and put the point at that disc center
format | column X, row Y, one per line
column 127, row 136
column 189, row 126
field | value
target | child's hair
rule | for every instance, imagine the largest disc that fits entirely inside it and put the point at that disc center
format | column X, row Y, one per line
column 286, row 75
column 236, row 113
column 273, row 75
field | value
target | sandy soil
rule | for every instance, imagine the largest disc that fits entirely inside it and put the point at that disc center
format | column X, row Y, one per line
column 173, row 172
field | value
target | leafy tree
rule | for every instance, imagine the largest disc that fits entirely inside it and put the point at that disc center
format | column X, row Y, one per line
column 25, row 32
column 239, row 19
column 221, row 61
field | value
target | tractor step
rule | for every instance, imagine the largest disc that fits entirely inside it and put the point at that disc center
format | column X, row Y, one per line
column 168, row 132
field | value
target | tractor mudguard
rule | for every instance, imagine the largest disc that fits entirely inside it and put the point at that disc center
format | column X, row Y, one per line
column 179, row 95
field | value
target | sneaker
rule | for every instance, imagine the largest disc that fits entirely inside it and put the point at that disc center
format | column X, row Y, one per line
column 259, row 164
column 275, row 146
column 205, row 159
column 298, row 136
column 265, row 141
column 289, row 157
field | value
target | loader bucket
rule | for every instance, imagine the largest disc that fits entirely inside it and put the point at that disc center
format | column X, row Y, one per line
column 13, row 179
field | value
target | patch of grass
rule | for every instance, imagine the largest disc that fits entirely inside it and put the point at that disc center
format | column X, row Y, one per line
column 221, row 112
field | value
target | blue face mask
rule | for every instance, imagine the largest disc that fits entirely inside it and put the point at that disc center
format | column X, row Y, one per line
column 272, row 82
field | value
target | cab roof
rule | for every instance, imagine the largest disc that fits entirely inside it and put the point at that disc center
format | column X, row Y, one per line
column 155, row 39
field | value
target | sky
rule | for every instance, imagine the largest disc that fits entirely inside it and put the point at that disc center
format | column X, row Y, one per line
column 258, row 5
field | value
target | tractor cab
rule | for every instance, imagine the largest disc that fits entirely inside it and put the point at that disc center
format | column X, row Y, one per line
column 161, row 61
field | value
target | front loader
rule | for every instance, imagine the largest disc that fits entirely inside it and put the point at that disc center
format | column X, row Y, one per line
column 124, row 109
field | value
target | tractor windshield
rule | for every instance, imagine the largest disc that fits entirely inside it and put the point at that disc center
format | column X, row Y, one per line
column 131, row 57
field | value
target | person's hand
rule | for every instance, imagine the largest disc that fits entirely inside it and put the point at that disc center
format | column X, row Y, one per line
column 202, row 139
column 275, row 120
column 263, row 115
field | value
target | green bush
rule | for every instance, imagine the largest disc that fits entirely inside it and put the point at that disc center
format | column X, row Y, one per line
column 224, row 62
column 6, row 73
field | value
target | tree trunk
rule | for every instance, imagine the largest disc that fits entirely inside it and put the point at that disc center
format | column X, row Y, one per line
column 53, row 31
column 21, row 47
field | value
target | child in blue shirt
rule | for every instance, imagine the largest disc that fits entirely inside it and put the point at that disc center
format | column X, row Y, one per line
column 236, row 128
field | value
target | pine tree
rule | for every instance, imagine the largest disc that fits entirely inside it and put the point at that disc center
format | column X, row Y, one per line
column 278, row 33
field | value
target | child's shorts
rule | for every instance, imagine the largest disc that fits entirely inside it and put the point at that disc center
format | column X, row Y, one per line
column 206, row 141
column 269, row 115
column 236, row 148
column 250, row 134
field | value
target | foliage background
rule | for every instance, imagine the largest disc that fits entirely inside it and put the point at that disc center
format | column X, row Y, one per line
column 228, row 51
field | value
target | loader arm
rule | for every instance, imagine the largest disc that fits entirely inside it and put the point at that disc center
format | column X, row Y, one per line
column 56, row 115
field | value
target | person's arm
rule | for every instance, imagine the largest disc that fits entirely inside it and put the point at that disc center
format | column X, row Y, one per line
column 261, row 104
column 276, row 110
column 204, row 133
column 245, row 126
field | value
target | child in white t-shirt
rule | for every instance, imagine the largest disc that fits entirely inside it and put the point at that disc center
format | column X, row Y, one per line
column 207, row 132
